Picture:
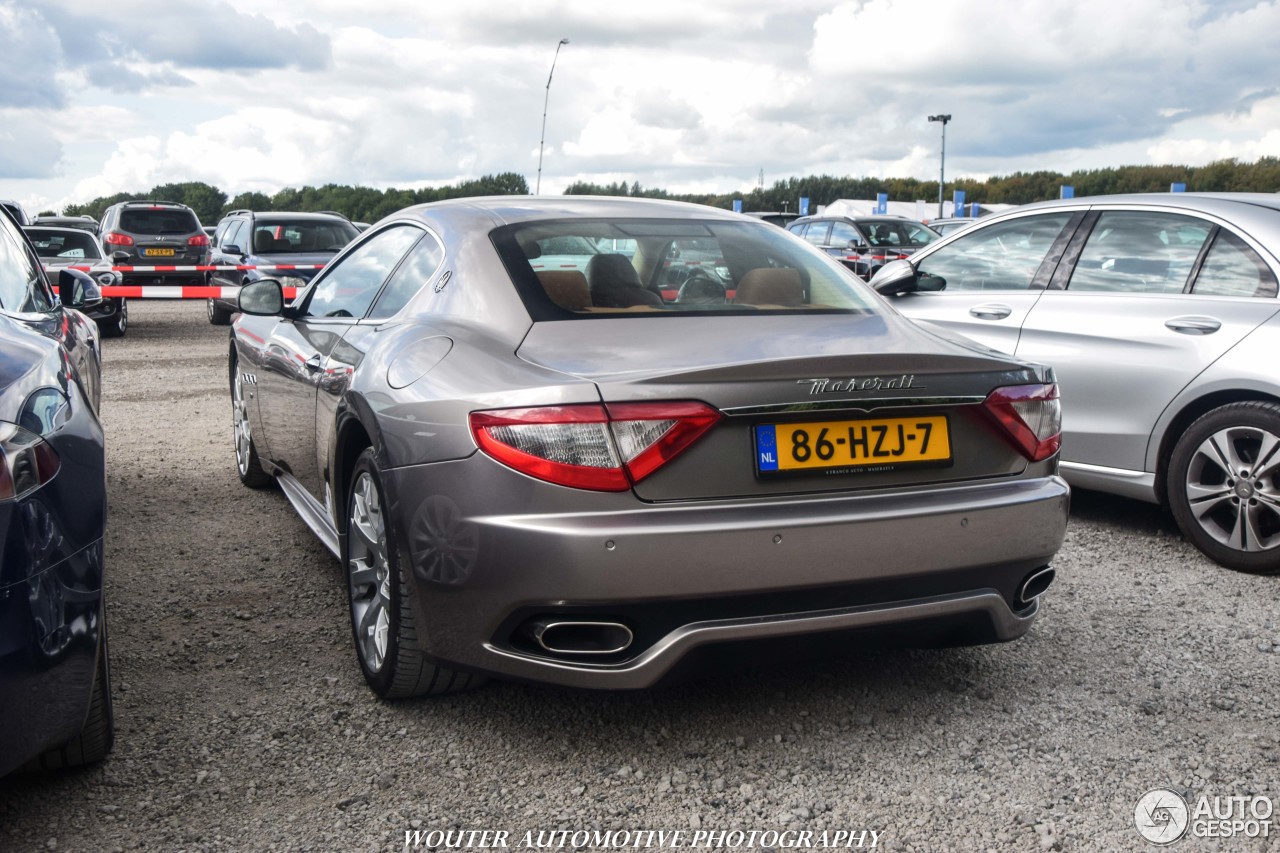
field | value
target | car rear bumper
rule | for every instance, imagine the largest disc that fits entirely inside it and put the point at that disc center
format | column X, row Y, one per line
column 678, row 576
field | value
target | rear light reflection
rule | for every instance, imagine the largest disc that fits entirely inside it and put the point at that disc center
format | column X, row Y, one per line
column 1031, row 416
column 592, row 446
column 27, row 462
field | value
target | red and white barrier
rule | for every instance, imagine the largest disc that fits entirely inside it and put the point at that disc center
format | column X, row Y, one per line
column 168, row 291
column 175, row 291
column 195, row 268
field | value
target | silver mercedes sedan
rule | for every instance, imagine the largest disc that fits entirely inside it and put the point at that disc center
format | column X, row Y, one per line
column 1159, row 314
column 536, row 459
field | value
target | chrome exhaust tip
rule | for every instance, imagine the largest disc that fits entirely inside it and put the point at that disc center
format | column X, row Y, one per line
column 1034, row 584
column 571, row 637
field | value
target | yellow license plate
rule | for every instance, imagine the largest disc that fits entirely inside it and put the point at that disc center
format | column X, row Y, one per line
column 832, row 447
column 158, row 253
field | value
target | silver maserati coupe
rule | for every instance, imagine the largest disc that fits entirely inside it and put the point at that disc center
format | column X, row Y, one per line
column 590, row 441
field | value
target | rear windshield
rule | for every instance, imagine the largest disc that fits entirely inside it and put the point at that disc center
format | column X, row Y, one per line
column 64, row 243
column 302, row 236
column 159, row 221
column 591, row 268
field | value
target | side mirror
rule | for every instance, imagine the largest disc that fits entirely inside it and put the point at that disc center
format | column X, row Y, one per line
column 78, row 289
column 231, row 249
column 262, row 298
column 894, row 278
column 119, row 257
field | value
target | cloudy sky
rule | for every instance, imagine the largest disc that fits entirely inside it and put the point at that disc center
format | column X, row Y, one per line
column 686, row 95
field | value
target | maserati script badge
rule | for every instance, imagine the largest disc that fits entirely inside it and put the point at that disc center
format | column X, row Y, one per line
column 869, row 383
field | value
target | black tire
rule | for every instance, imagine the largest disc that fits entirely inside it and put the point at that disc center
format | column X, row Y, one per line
column 218, row 316
column 382, row 622
column 248, row 466
column 96, row 737
column 1224, row 486
column 116, row 325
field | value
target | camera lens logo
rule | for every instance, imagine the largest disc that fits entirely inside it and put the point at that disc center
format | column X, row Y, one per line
column 1161, row 816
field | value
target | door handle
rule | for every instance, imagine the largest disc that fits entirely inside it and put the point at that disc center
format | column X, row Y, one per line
column 312, row 363
column 991, row 311
column 1193, row 325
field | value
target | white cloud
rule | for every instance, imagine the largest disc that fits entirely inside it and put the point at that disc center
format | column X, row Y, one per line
column 667, row 93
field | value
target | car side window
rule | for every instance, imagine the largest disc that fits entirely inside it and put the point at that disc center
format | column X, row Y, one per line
column 408, row 279
column 816, row 233
column 234, row 236
column 1233, row 269
column 1004, row 256
column 22, row 288
column 1133, row 251
column 348, row 289
column 842, row 234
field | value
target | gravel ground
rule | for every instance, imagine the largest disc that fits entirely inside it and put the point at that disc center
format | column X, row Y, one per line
column 243, row 722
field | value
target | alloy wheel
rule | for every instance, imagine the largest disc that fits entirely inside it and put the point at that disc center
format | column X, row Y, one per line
column 368, row 573
column 240, row 425
column 1233, row 488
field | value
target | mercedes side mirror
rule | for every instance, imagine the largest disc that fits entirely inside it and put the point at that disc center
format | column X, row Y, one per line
column 894, row 278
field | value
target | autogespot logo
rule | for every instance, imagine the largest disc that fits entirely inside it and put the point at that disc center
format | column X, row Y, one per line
column 1161, row 816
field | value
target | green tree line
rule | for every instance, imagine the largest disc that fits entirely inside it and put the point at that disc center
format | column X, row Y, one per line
column 1018, row 188
column 368, row 205
column 360, row 204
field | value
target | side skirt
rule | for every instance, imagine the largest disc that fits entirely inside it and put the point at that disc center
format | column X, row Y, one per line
column 311, row 512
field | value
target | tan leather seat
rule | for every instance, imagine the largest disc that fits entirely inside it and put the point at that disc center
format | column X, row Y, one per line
column 567, row 288
column 770, row 286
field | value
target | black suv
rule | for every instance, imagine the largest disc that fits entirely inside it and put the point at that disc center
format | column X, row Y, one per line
column 272, row 238
column 155, row 233
column 864, row 243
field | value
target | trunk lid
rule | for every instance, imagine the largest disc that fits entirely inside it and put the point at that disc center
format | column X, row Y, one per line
column 869, row 373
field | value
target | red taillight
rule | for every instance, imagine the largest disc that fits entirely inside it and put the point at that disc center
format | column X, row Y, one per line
column 198, row 240
column 115, row 238
column 1031, row 416
column 590, row 446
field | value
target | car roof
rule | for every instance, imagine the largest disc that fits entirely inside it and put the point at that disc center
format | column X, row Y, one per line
column 149, row 203
column 294, row 216
column 510, row 210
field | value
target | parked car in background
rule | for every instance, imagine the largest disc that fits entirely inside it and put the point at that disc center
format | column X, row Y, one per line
column 1159, row 313
column 82, row 223
column 55, row 692
column 15, row 211
column 555, row 475
column 865, row 243
column 155, row 233
column 782, row 220
column 273, row 238
column 949, row 226
column 60, row 248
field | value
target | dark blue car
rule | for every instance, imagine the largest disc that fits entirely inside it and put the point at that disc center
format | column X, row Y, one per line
column 55, row 693
column 299, row 242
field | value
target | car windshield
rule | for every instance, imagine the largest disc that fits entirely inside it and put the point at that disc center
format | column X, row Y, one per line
column 155, row 221
column 64, row 244
column 678, row 266
column 282, row 237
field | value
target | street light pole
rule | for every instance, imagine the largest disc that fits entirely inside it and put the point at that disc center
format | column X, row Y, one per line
column 545, row 101
column 942, row 171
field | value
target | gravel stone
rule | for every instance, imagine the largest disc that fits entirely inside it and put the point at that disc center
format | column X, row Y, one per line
column 229, row 627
